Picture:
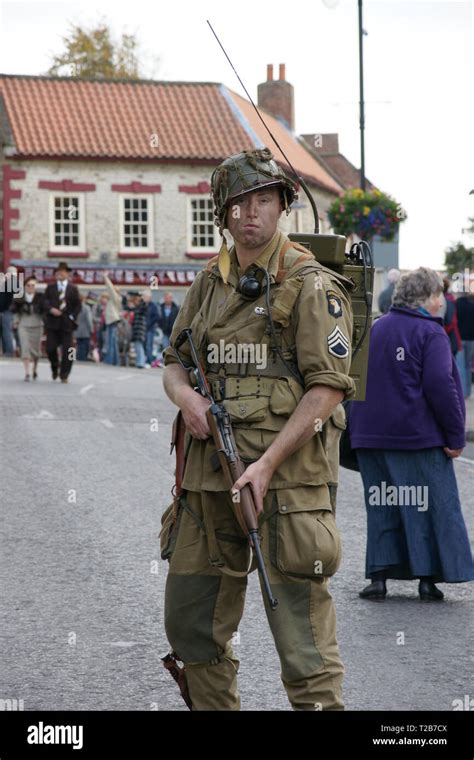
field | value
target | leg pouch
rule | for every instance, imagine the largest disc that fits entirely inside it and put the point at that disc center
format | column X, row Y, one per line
column 304, row 539
column 169, row 529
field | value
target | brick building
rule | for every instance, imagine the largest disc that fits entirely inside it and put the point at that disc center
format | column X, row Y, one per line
column 116, row 173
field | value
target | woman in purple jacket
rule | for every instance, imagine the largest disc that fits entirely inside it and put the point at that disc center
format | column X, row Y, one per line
column 407, row 433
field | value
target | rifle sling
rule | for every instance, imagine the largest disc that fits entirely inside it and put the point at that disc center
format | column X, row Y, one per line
column 215, row 556
column 177, row 440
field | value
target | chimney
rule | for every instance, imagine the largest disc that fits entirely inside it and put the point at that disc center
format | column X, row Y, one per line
column 277, row 97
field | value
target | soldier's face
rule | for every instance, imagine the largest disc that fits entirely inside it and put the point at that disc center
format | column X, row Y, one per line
column 252, row 218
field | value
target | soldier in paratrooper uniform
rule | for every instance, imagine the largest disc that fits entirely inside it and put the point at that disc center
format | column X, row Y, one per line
column 287, row 418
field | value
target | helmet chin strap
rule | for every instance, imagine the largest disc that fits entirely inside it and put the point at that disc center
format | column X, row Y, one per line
column 223, row 262
column 228, row 238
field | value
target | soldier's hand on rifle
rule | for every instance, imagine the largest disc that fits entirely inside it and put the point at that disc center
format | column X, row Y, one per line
column 194, row 407
column 259, row 475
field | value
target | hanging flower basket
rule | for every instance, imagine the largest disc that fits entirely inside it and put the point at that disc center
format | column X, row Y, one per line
column 366, row 214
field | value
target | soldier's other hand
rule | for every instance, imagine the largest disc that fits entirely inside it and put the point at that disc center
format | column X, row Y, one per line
column 259, row 475
column 452, row 453
column 194, row 407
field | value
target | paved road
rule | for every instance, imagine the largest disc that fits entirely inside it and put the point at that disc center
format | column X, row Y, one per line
column 85, row 477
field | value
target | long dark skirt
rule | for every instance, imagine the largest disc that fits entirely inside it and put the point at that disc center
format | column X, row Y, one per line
column 417, row 528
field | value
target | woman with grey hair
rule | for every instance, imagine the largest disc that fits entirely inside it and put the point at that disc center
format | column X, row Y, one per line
column 406, row 434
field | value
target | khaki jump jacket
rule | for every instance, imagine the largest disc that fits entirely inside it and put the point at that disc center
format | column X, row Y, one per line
column 313, row 319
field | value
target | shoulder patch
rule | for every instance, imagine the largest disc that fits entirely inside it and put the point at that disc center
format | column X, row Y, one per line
column 334, row 304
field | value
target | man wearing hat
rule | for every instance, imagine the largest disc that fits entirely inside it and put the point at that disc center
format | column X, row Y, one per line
column 282, row 410
column 62, row 306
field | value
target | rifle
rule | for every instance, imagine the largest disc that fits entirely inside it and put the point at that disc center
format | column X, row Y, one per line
column 229, row 459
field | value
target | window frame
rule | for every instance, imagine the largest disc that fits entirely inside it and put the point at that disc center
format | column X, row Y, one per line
column 63, row 248
column 189, row 235
column 150, row 223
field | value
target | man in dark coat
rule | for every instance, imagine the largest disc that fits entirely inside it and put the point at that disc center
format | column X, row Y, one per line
column 152, row 321
column 62, row 305
column 6, row 300
column 465, row 312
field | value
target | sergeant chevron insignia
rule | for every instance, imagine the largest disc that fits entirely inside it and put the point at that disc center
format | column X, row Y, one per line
column 338, row 344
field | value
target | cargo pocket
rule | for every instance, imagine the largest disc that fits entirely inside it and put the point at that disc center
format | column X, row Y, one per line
column 286, row 395
column 245, row 410
column 169, row 530
column 304, row 540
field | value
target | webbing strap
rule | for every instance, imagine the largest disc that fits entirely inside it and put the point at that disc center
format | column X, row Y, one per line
column 231, row 387
column 273, row 369
column 219, row 533
column 272, row 512
column 177, row 442
column 282, row 272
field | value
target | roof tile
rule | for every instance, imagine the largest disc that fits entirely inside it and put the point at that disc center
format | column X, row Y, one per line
column 73, row 118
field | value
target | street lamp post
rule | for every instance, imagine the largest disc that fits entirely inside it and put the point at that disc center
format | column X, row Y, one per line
column 333, row 4
column 361, row 111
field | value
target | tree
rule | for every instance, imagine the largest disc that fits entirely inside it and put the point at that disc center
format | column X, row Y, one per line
column 457, row 258
column 93, row 54
column 470, row 229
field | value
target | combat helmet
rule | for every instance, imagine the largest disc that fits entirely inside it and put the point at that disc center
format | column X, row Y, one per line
column 244, row 172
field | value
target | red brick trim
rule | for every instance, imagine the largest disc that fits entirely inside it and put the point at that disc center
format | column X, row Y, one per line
column 201, row 187
column 67, row 254
column 136, row 187
column 66, row 186
column 9, row 213
column 138, row 255
column 201, row 255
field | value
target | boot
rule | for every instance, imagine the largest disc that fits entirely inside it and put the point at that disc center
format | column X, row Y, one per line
column 375, row 591
column 428, row 591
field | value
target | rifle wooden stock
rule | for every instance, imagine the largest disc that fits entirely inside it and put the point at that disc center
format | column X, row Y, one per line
column 233, row 467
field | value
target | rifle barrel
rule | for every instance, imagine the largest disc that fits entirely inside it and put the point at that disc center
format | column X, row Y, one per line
column 273, row 601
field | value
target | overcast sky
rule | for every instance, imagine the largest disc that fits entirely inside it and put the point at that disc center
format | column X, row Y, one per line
column 418, row 80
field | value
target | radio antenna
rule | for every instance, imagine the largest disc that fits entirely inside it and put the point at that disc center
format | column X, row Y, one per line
column 300, row 179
